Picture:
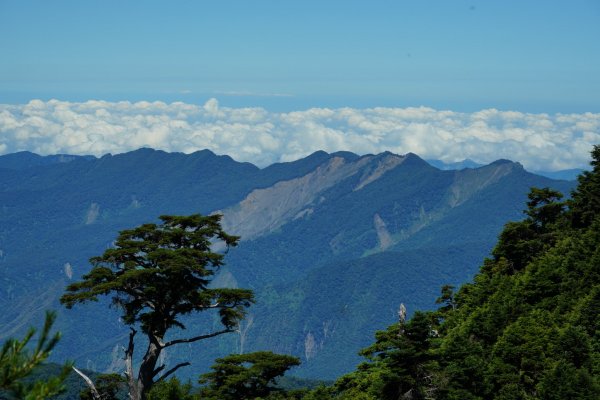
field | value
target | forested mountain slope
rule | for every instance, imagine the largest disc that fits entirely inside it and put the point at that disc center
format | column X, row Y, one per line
column 331, row 244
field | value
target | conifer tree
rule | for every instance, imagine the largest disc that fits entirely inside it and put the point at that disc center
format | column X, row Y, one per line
column 245, row 376
column 157, row 273
column 585, row 200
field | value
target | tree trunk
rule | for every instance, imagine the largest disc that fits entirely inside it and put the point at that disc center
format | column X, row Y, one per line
column 148, row 367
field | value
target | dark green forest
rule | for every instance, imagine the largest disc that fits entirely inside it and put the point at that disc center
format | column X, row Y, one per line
column 526, row 327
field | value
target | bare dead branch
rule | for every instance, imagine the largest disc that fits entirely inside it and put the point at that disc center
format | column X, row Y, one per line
column 88, row 381
column 131, row 382
column 175, row 368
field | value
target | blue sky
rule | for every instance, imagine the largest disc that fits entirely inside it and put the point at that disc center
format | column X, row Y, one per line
column 533, row 56
column 274, row 80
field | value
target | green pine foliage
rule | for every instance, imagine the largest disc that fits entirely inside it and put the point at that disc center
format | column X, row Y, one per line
column 18, row 362
column 399, row 363
column 172, row 389
column 246, row 376
column 157, row 273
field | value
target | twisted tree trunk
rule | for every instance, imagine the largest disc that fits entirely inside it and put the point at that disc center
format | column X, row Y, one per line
column 138, row 388
column 148, row 368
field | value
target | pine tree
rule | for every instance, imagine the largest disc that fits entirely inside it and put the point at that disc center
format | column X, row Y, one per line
column 156, row 274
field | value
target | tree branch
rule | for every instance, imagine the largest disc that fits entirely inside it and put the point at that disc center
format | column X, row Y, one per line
column 88, row 381
column 157, row 370
column 169, row 372
column 150, row 304
column 219, row 305
column 196, row 338
column 213, row 306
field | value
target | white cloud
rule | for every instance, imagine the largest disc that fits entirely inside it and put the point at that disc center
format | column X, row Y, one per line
column 539, row 141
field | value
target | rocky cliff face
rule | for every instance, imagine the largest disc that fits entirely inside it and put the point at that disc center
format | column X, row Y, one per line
column 265, row 210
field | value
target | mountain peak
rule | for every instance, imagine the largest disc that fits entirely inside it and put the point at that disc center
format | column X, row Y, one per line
column 501, row 161
column 346, row 155
column 506, row 163
column 203, row 153
column 414, row 160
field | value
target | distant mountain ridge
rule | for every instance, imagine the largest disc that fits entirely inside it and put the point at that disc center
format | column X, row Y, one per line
column 331, row 243
column 565, row 174
column 26, row 159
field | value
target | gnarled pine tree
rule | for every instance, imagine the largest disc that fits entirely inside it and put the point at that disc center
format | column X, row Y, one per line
column 156, row 274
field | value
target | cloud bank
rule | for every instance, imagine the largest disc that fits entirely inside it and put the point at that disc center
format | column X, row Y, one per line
column 538, row 141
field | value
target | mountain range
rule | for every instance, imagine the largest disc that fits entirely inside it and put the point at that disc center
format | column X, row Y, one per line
column 331, row 243
column 564, row 174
